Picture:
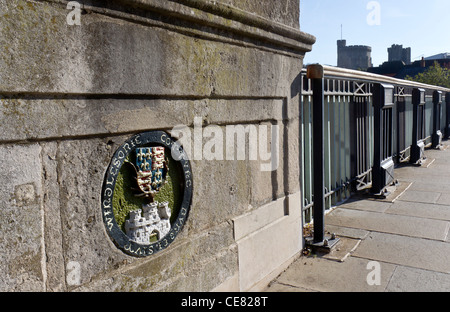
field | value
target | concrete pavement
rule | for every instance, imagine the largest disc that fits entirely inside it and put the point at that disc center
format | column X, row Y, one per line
column 401, row 243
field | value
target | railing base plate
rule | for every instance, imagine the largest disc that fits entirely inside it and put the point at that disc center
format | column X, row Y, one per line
column 383, row 195
column 388, row 190
column 326, row 246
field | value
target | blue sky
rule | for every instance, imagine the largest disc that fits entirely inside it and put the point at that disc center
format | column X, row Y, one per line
column 422, row 25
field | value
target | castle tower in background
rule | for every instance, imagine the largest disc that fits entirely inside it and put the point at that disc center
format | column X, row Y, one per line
column 358, row 57
column 398, row 53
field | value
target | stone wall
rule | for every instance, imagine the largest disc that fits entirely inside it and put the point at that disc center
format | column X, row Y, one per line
column 70, row 95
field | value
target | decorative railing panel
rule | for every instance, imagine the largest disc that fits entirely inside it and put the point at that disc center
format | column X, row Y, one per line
column 371, row 124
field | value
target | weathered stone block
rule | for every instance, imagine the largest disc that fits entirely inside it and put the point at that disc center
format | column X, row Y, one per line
column 221, row 192
column 21, row 236
column 59, row 117
column 261, row 239
column 199, row 264
column 56, row 271
column 84, row 238
column 283, row 11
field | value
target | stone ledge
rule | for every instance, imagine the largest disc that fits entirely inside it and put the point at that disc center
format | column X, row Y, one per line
column 124, row 54
column 217, row 15
column 225, row 11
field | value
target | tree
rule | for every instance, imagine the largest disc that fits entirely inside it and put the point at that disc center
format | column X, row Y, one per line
column 434, row 75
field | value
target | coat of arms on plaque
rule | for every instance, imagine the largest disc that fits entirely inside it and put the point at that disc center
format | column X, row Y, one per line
column 153, row 222
column 151, row 169
column 147, row 193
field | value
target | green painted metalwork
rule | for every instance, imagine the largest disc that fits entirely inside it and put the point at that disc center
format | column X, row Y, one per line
column 349, row 132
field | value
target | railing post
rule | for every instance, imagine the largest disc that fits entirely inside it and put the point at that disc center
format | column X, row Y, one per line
column 418, row 146
column 383, row 165
column 436, row 138
column 316, row 74
column 447, row 121
column 401, row 128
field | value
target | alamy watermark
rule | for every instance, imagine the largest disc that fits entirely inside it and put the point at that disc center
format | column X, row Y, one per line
column 232, row 142
column 374, row 16
column 74, row 16
column 374, row 276
column 73, row 273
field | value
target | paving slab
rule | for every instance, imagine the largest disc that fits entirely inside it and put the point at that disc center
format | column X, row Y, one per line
column 388, row 223
column 411, row 177
column 407, row 279
column 319, row 274
column 442, row 161
column 395, row 192
column 430, row 186
column 342, row 231
column 342, row 250
column 362, row 203
column 408, row 251
column 421, row 196
column 439, row 170
column 444, row 199
column 420, row 210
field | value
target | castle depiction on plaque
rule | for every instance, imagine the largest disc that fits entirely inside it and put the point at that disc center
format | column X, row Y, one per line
column 154, row 221
column 146, row 193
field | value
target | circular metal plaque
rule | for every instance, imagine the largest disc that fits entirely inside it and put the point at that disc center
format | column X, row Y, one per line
column 147, row 193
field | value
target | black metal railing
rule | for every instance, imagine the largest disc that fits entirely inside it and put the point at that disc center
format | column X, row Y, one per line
column 356, row 127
